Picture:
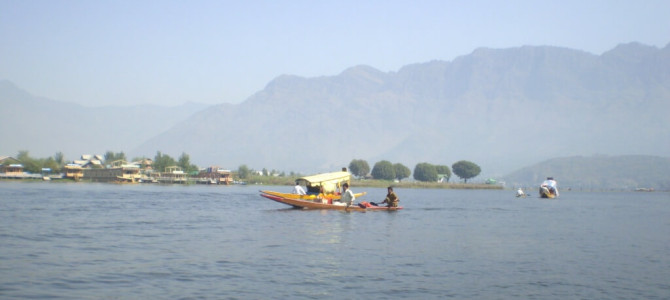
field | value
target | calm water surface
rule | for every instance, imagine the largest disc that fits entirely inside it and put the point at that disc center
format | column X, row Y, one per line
column 104, row 241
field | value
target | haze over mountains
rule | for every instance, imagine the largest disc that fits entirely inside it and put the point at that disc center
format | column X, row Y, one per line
column 44, row 126
column 597, row 172
column 503, row 109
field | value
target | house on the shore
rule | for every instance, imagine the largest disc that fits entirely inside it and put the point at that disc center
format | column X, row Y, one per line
column 215, row 175
column 73, row 171
column 7, row 160
column 88, row 161
column 119, row 171
column 173, row 174
column 10, row 167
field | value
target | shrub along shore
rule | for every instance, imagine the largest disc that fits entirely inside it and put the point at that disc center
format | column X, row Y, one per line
column 290, row 181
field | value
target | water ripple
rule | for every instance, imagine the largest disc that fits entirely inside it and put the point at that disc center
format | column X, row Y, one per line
column 92, row 241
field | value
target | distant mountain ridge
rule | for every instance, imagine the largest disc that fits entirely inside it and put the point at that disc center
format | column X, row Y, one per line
column 43, row 126
column 500, row 108
column 597, row 172
column 494, row 107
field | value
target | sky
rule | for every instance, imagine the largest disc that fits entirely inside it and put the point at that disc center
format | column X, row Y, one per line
column 99, row 53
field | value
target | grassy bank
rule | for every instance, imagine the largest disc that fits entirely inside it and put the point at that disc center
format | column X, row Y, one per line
column 269, row 180
column 290, row 181
column 425, row 185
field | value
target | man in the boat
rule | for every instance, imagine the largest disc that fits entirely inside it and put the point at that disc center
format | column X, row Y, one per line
column 297, row 189
column 347, row 196
column 520, row 193
column 391, row 199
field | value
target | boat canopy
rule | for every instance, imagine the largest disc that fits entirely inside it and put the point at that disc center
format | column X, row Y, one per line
column 329, row 181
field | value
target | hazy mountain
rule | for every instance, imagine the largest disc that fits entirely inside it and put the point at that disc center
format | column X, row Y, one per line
column 500, row 108
column 44, row 127
column 597, row 172
column 503, row 109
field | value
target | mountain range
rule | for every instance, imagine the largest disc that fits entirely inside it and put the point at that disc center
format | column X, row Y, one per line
column 597, row 172
column 43, row 126
column 502, row 109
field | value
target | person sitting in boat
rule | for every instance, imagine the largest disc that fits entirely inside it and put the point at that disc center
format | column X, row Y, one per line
column 297, row 189
column 520, row 193
column 347, row 196
column 391, row 199
column 550, row 183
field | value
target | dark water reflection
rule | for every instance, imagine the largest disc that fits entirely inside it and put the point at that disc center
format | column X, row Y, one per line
column 166, row 242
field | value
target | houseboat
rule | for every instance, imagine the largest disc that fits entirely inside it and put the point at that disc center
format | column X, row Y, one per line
column 12, row 171
column 215, row 175
column 119, row 171
column 73, row 171
column 173, row 174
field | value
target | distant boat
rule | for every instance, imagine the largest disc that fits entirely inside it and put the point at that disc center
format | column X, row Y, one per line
column 548, row 188
column 520, row 193
column 147, row 180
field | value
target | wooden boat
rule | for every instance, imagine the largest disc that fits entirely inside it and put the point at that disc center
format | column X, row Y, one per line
column 330, row 183
column 308, row 197
column 307, row 202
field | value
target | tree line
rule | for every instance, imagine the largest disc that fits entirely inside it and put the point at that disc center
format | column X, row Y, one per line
column 382, row 170
column 385, row 170
column 56, row 162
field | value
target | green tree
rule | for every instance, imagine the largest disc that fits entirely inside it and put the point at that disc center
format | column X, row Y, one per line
column 161, row 161
column 401, row 172
column 112, row 157
column 184, row 163
column 243, row 172
column 466, row 169
column 59, row 158
column 425, row 172
column 383, row 170
column 359, row 167
column 138, row 158
column 23, row 155
column 35, row 165
column 52, row 164
column 30, row 164
column 443, row 170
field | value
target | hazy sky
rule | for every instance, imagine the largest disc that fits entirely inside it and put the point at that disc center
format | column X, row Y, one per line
column 169, row 52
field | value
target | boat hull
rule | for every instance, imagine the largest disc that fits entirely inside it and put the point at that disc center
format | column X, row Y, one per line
column 311, row 198
column 546, row 193
column 310, row 202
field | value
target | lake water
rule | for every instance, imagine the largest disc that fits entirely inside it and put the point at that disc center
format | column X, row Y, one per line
column 106, row 241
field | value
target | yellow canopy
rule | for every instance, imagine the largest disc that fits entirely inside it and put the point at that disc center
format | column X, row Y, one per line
column 329, row 181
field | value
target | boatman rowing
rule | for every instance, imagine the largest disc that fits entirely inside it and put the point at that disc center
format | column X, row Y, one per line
column 391, row 199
